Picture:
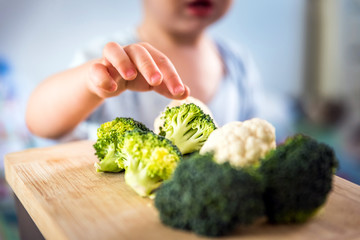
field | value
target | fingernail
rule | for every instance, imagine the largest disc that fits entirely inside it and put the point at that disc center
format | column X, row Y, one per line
column 155, row 78
column 130, row 73
column 113, row 87
column 179, row 90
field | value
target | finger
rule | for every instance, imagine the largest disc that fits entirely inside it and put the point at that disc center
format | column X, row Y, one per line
column 163, row 90
column 101, row 78
column 114, row 74
column 144, row 63
column 119, row 59
column 171, row 77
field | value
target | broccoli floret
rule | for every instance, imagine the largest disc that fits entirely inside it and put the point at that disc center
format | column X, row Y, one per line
column 298, row 177
column 187, row 126
column 108, row 143
column 209, row 198
column 149, row 160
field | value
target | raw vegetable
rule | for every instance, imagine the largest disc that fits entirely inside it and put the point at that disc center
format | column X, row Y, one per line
column 298, row 177
column 108, row 143
column 209, row 198
column 187, row 126
column 241, row 143
column 174, row 103
column 149, row 159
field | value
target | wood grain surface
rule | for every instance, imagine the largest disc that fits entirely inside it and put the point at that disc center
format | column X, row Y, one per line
column 68, row 199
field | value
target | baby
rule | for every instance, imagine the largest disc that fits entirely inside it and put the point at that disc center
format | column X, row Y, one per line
column 138, row 73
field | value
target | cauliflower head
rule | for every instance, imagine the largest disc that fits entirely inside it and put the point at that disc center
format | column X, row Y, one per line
column 241, row 143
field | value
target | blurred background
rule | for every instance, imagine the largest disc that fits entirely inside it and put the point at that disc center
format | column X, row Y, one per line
column 308, row 53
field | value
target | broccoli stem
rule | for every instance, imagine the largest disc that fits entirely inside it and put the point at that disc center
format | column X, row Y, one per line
column 109, row 163
column 183, row 137
column 186, row 138
column 136, row 176
column 189, row 145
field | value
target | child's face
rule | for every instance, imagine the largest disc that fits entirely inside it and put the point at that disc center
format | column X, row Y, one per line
column 185, row 16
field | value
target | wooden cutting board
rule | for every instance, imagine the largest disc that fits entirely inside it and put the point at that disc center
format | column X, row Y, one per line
column 68, row 199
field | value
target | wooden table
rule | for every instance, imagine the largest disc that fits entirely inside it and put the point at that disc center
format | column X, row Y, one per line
column 68, row 199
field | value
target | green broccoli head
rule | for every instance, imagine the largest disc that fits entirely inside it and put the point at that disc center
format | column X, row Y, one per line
column 108, row 143
column 298, row 177
column 187, row 126
column 149, row 160
column 208, row 198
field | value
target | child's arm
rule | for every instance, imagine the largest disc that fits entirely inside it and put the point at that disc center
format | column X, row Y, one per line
column 62, row 101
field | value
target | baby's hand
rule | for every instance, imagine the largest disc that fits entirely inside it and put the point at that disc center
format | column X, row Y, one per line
column 137, row 67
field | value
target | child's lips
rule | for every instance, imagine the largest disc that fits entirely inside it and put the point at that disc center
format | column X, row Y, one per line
column 201, row 8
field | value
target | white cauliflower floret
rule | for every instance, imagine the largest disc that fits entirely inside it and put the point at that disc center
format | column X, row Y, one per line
column 241, row 143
